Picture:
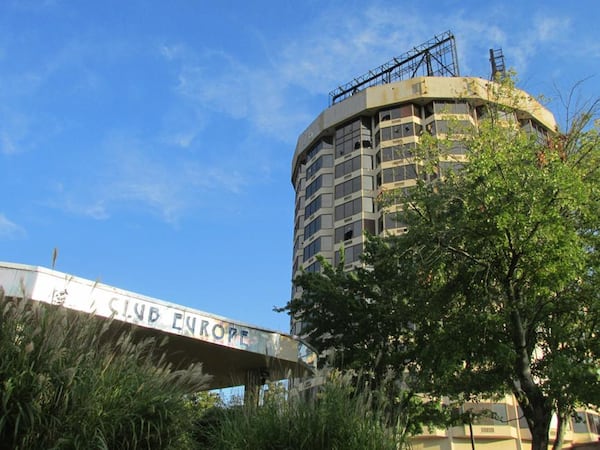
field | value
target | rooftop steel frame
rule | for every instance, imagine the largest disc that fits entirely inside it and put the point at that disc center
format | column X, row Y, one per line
column 436, row 57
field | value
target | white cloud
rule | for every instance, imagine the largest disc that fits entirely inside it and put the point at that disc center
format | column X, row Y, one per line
column 9, row 229
column 170, row 190
column 135, row 176
column 322, row 55
column 172, row 52
column 276, row 94
column 14, row 129
column 7, row 145
column 548, row 28
column 95, row 210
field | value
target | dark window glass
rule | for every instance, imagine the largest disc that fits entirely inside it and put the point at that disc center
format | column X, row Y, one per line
column 325, row 143
column 312, row 207
column 451, row 126
column 397, row 152
column 352, row 136
column 321, row 162
column 347, row 167
column 369, row 225
column 348, row 231
column 391, row 222
column 441, row 107
column 458, row 149
column 386, row 134
column 580, row 424
column 314, row 267
column 348, row 209
column 312, row 227
column 314, row 186
column 348, row 187
column 313, row 151
column 594, row 422
column 398, row 112
column 325, row 180
column 400, row 173
column 351, row 254
column 312, row 249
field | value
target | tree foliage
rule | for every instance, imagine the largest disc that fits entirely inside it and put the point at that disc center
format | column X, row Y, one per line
column 494, row 288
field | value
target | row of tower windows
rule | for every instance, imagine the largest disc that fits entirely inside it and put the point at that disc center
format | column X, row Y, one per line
column 389, row 123
column 323, row 243
column 357, row 133
column 351, row 254
column 354, row 229
column 352, row 165
column 324, row 161
column 323, row 200
column 320, row 222
column 324, row 180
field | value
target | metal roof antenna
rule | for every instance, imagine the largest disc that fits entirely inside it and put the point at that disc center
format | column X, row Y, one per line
column 497, row 61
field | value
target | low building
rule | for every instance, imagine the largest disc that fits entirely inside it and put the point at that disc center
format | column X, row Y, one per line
column 234, row 353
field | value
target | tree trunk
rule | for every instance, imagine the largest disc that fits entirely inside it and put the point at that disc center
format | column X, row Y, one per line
column 535, row 406
column 560, row 432
column 539, row 434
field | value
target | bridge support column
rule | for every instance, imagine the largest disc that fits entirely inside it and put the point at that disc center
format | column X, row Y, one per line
column 255, row 378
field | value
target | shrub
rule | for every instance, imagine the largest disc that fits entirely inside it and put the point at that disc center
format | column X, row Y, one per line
column 70, row 381
column 338, row 419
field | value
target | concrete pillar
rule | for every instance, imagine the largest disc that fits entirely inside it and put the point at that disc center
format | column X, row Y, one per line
column 255, row 378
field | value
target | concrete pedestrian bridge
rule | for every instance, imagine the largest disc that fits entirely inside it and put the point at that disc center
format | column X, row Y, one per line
column 233, row 352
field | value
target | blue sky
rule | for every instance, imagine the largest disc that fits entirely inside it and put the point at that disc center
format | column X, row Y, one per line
column 151, row 142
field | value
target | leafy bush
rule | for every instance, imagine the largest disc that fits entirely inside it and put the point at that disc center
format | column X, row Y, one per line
column 340, row 418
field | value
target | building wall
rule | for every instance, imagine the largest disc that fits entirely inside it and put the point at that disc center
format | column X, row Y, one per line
column 508, row 431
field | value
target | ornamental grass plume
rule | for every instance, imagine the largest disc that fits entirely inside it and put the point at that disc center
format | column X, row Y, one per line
column 70, row 381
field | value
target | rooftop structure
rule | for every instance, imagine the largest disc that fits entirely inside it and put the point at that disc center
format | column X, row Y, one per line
column 436, row 57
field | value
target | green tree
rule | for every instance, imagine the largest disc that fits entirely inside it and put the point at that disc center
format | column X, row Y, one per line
column 495, row 286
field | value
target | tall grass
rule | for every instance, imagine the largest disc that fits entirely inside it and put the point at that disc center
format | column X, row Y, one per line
column 340, row 418
column 72, row 382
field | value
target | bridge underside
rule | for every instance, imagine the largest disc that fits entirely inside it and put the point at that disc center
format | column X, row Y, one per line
column 228, row 366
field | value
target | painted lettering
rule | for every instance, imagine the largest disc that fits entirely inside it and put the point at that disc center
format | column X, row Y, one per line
column 139, row 309
column 112, row 308
column 176, row 318
column 190, row 323
column 216, row 327
column 232, row 333
column 243, row 334
column 203, row 328
column 153, row 314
